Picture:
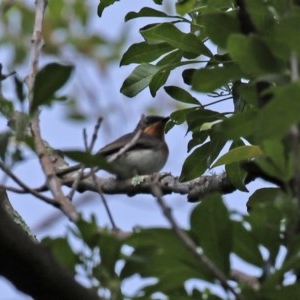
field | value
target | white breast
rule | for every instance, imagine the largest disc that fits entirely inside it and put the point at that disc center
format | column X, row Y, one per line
column 142, row 162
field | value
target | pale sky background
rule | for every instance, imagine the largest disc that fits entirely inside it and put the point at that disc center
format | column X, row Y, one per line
column 120, row 116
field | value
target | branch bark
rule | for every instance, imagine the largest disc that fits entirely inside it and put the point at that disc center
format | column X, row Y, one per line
column 52, row 180
column 32, row 269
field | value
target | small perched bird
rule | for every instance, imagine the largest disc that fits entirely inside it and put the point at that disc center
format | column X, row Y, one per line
column 141, row 152
column 147, row 150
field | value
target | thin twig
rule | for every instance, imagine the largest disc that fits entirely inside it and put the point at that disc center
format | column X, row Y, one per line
column 89, row 149
column 128, row 145
column 244, row 278
column 97, row 185
column 218, row 101
column 37, row 42
column 189, row 243
column 104, row 201
column 25, row 187
column 79, row 175
column 95, row 134
column 75, row 184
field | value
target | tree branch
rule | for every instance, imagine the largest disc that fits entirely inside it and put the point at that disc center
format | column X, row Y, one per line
column 195, row 189
column 246, row 279
column 52, row 180
column 32, row 269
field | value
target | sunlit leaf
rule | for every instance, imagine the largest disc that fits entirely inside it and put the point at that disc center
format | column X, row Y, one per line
column 239, row 154
column 185, row 6
column 169, row 33
column 144, row 52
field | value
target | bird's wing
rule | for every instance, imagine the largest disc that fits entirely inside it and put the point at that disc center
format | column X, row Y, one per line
column 144, row 141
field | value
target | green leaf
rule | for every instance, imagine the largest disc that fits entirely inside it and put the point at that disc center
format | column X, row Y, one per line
column 248, row 93
column 199, row 117
column 169, row 62
column 283, row 292
column 103, row 4
column 284, row 32
column 177, row 117
column 252, row 55
column 185, row 6
column 245, row 245
column 265, row 196
column 169, row 33
column 220, row 3
column 237, row 176
column 139, row 79
column 239, row 154
column 269, row 168
column 19, row 122
column 239, row 125
column 283, row 108
column 4, row 140
column 89, row 160
column 235, row 172
column 48, row 81
column 154, row 256
column 157, row 81
column 210, row 79
column 62, row 252
column 144, row 53
column 6, row 108
column 181, row 95
column 196, row 163
column 212, row 229
column 200, row 159
column 110, row 247
column 266, row 218
column 187, row 75
column 277, row 160
column 199, row 137
column 145, row 12
column 19, row 87
column 88, row 231
column 220, row 26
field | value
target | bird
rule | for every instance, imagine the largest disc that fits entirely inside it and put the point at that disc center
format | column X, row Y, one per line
column 143, row 151
column 145, row 155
